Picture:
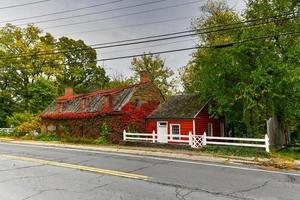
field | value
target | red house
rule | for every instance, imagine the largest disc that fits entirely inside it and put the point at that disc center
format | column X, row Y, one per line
column 182, row 114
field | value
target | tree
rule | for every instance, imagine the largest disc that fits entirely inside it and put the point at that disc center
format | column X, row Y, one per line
column 159, row 73
column 35, row 67
column 80, row 69
column 118, row 80
column 253, row 80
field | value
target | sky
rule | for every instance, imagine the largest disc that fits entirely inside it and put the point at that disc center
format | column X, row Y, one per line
column 159, row 17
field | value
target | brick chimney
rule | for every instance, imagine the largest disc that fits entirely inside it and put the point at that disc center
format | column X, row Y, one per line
column 68, row 91
column 145, row 77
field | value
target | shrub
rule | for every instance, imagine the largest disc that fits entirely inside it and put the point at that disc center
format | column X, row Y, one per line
column 24, row 123
column 104, row 134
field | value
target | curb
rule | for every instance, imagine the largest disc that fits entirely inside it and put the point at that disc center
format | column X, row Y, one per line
column 146, row 152
column 150, row 152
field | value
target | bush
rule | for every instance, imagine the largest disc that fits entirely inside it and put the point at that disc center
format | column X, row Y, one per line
column 18, row 118
column 104, row 134
column 295, row 137
column 24, row 123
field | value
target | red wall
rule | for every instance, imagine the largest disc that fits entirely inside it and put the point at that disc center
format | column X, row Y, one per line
column 202, row 120
column 185, row 125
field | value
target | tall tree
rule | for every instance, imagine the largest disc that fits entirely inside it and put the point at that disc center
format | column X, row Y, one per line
column 159, row 73
column 80, row 69
column 249, row 81
column 32, row 72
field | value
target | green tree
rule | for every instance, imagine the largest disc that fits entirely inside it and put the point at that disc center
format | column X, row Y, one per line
column 253, row 80
column 35, row 67
column 80, row 69
column 159, row 73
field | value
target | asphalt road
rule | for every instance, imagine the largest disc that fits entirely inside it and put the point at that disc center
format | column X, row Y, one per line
column 46, row 173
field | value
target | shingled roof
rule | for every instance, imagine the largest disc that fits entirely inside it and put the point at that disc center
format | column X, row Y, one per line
column 178, row 107
column 94, row 102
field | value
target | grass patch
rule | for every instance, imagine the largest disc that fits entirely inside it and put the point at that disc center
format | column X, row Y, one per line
column 291, row 152
column 65, row 139
column 235, row 151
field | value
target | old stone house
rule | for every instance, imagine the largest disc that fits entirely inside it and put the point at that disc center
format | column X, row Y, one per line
column 120, row 108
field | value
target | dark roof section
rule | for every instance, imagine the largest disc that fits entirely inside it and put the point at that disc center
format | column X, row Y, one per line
column 178, row 107
column 94, row 101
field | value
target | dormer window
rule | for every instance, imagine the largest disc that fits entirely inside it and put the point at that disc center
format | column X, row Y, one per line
column 108, row 103
column 83, row 103
column 59, row 107
column 137, row 102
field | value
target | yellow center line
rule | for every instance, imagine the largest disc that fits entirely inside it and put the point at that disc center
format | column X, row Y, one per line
column 78, row 167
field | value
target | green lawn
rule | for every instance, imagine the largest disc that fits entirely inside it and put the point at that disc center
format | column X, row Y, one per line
column 235, row 151
column 292, row 152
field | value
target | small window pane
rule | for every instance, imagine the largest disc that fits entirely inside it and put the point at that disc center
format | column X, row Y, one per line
column 175, row 131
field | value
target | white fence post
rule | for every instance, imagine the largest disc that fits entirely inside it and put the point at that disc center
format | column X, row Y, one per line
column 267, row 143
column 204, row 138
column 190, row 139
column 153, row 136
column 124, row 135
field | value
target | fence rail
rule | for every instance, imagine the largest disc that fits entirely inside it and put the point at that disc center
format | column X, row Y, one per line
column 6, row 130
column 197, row 141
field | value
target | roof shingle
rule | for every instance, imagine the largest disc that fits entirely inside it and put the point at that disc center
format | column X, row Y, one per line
column 178, row 107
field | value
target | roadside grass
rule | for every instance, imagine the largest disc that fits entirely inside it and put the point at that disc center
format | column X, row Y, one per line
column 64, row 139
column 235, row 151
column 291, row 152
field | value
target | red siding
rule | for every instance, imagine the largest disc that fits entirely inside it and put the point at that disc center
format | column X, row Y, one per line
column 185, row 125
column 202, row 120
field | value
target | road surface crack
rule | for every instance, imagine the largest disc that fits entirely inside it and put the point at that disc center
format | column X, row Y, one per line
column 26, row 177
column 19, row 168
column 39, row 192
column 196, row 189
column 252, row 188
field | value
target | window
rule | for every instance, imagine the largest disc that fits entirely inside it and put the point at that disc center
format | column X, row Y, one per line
column 137, row 102
column 222, row 129
column 210, row 129
column 163, row 124
column 175, row 131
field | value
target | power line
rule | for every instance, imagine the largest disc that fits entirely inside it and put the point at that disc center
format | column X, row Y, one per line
column 157, row 45
column 224, row 45
column 161, row 37
column 61, row 12
column 128, row 26
column 124, row 15
column 170, row 20
column 24, row 4
column 94, row 13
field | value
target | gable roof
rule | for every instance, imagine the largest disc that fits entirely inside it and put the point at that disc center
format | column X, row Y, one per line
column 178, row 107
column 71, row 105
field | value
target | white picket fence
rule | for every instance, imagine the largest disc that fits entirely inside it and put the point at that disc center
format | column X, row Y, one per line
column 198, row 141
column 6, row 130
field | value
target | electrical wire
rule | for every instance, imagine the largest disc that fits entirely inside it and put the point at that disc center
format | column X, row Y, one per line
column 61, row 12
column 136, row 40
column 123, row 15
column 224, row 45
column 24, row 4
column 94, row 13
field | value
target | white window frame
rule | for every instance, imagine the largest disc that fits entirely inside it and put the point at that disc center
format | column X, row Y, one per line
column 171, row 131
column 210, row 129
